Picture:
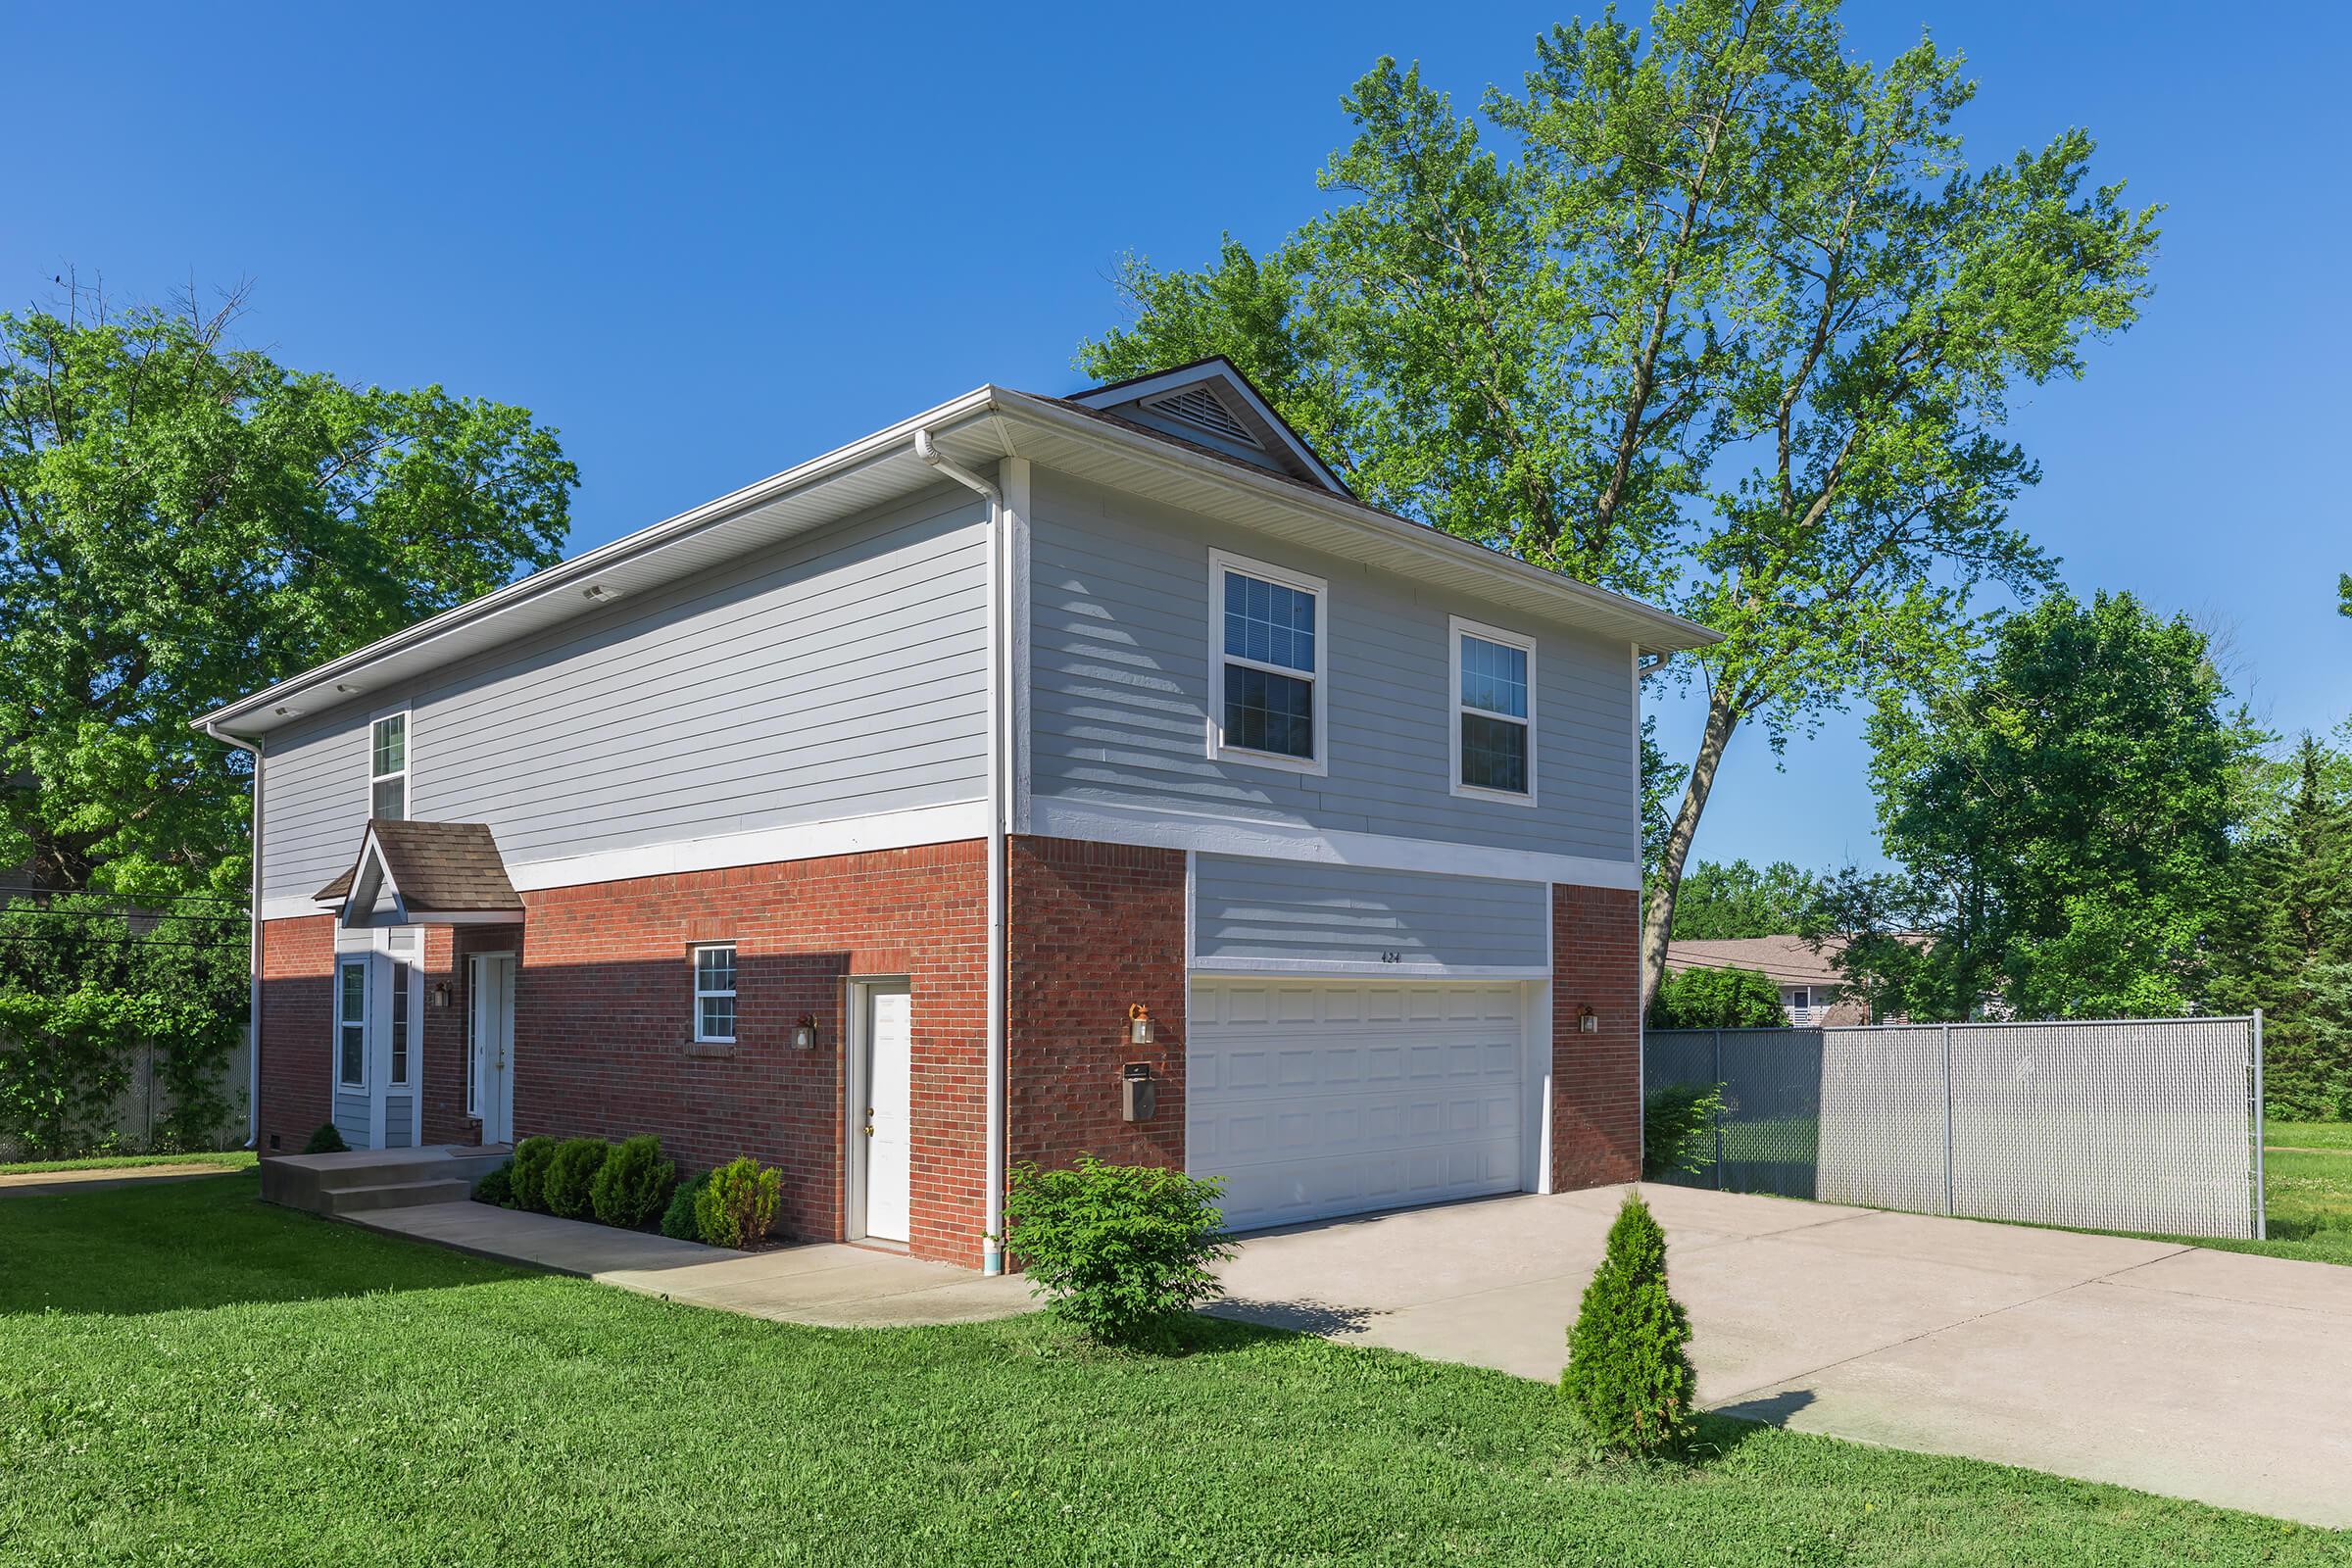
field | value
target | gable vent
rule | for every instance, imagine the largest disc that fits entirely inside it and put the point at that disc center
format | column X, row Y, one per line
column 1197, row 404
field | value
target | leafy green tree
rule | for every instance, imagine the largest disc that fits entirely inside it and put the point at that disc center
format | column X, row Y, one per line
column 1717, row 999
column 2286, row 945
column 1629, row 1374
column 181, row 520
column 1724, row 902
column 1732, row 324
column 2069, row 810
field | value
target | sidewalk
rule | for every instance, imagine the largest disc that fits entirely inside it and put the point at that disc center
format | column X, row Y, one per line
column 826, row 1284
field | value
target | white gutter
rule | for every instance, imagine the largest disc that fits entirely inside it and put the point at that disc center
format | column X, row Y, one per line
column 1000, row 796
column 252, row 962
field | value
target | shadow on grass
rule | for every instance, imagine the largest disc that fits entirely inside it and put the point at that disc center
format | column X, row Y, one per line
column 163, row 1246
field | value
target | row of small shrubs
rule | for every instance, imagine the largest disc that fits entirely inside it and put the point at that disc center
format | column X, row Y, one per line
column 628, row 1185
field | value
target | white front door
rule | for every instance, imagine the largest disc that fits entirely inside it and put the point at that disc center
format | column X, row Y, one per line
column 1316, row 1097
column 887, row 1130
column 490, row 1076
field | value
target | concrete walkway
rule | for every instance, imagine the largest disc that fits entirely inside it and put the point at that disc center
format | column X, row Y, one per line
column 2204, row 1374
column 832, row 1286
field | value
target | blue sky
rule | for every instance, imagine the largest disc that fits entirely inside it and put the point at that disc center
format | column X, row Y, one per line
column 711, row 242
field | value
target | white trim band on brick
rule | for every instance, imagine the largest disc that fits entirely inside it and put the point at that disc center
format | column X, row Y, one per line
column 1149, row 828
column 799, row 840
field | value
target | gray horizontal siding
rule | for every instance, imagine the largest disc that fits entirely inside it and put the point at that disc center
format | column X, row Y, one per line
column 351, row 1118
column 837, row 675
column 1305, row 913
column 1119, row 607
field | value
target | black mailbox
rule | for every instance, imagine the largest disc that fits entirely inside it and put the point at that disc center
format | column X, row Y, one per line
column 1138, row 1092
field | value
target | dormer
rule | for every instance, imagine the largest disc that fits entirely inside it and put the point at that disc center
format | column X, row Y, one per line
column 1211, row 403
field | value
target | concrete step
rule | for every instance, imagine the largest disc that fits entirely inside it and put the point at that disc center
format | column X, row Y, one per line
column 393, row 1194
column 309, row 1181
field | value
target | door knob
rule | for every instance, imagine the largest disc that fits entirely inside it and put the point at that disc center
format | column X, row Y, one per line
column 869, row 1129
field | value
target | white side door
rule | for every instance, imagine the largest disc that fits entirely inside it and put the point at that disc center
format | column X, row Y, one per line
column 888, row 1129
column 490, row 1074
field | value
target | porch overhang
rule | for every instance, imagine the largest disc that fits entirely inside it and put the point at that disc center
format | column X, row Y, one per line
column 425, row 873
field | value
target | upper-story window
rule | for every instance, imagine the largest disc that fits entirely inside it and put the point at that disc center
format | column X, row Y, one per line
column 388, row 767
column 1267, row 654
column 1494, row 712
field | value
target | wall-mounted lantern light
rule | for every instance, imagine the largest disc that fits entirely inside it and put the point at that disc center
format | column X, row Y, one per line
column 441, row 996
column 1587, row 1021
column 804, row 1033
column 1139, row 1030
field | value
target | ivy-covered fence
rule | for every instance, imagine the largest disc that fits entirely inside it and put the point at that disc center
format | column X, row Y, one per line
column 121, row 1029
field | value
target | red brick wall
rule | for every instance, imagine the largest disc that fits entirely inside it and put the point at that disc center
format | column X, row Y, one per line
column 604, row 1028
column 1094, row 928
column 298, row 960
column 1595, row 1078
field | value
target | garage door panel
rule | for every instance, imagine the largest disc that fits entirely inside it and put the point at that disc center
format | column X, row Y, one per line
column 1315, row 1098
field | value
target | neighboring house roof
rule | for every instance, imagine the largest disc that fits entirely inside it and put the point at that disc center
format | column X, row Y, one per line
column 1787, row 960
column 439, row 869
column 1102, row 436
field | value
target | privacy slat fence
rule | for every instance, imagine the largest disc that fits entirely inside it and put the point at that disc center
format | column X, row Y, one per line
column 2134, row 1125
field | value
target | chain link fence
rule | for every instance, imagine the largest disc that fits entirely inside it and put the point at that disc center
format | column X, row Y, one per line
column 2148, row 1125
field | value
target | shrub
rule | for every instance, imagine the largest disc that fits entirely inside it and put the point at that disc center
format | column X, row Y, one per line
column 325, row 1140
column 498, row 1187
column 738, row 1202
column 633, row 1185
column 530, row 1175
column 571, row 1177
column 1718, row 999
column 1120, row 1248
column 1629, row 1372
column 678, row 1220
column 1678, row 1127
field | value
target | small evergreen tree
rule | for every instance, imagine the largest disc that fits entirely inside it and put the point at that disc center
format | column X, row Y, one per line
column 1629, row 1374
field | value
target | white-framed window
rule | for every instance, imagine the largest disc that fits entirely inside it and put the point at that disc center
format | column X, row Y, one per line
column 1799, row 1001
column 715, row 993
column 1268, row 645
column 399, row 1043
column 351, row 1024
column 1493, row 686
column 388, row 767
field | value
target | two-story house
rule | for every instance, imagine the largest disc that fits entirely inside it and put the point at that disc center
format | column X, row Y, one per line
column 1036, row 776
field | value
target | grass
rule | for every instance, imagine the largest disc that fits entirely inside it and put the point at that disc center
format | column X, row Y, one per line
column 232, row 1158
column 2307, row 1135
column 187, row 1377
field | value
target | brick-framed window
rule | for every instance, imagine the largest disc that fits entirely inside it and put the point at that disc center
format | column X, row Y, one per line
column 715, row 993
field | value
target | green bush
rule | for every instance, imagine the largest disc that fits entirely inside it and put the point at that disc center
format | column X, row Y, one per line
column 498, row 1187
column 1629, row 1369
column 678, row 1220
column 738, row 1202
column 529, row 1177
column 634, row 1183
column 1718, row 999
column 1677, row 1128
column 325, row 1140
column 571, row 1177
column 1122, row 1248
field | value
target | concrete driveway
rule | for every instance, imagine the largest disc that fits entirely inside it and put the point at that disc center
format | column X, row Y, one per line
column 2196, row 1373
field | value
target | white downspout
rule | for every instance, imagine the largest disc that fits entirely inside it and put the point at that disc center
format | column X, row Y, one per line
column 999, row 797
column 252, row 962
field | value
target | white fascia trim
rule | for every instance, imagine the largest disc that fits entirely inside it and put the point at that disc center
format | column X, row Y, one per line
column 799, row 840
column 1369, row 968
column 1273, row 840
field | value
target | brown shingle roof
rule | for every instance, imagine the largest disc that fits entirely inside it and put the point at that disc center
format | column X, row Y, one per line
column 439, row 867
column 1789, row 959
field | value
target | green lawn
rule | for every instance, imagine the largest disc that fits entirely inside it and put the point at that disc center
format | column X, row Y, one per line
column 189, row 1377
column 232, row 1158
column 2307, row 1135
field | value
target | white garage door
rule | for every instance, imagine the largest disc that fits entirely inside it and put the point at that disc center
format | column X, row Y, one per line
column 1314, row 1098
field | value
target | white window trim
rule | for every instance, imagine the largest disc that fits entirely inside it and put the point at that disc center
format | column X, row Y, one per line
column 345, row 961
column 1219, row 564
column 1456, row 628
column 733, row 993
column 403, row 976
column 408, row 761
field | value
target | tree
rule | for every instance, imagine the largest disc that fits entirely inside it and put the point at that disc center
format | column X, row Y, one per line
column 1717, row 999
column 185, row 521
column 1727, row 902
column 2286, row 943
column 2069, row 810
column 1735, row 326
column 1629, row 1374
